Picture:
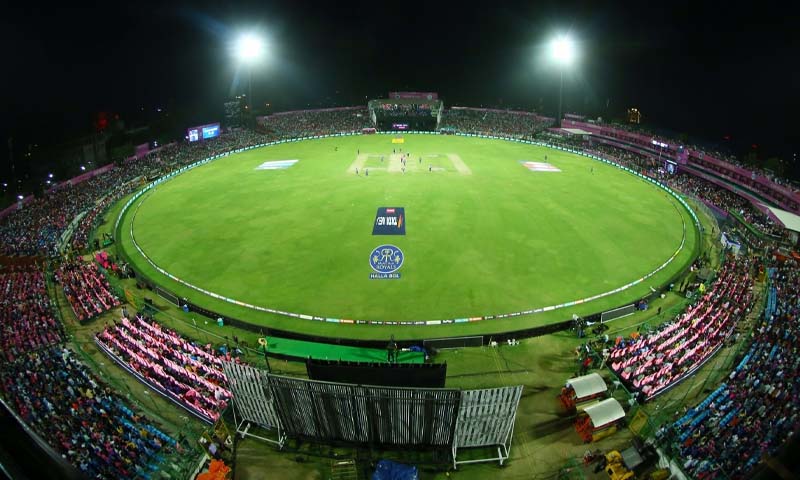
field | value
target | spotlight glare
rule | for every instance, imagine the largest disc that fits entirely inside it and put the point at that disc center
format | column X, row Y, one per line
column 563, row 50
column 249, row 48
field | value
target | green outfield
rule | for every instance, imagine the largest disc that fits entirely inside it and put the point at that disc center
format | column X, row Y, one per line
column 484, row 234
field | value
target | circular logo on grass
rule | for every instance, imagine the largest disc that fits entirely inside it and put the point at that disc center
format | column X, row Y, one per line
column 386, row 259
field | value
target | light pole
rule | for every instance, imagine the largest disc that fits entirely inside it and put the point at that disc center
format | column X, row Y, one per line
column 562, row 49
column 249, row 50
column 560, row 94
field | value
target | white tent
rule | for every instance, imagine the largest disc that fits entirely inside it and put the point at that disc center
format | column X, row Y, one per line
column 587, row 385
column 605, row 412
column 789, row 219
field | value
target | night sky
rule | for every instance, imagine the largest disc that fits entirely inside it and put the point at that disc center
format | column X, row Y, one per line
column 704, row 70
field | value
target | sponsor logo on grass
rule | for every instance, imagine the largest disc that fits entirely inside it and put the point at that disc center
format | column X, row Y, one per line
column 539, row 166
column 390, row 221
column 385, row 261
column 276, row 165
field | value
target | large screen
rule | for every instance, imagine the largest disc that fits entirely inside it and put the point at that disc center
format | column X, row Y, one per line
column 203, row 132
column 211, row 131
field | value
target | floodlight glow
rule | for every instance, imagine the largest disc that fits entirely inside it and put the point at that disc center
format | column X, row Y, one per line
column 563, row 50
column 249, row 48
column 50, row 175
column 20, row 197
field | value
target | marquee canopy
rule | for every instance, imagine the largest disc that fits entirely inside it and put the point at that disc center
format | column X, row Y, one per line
column 605, row 412
column 587, row 385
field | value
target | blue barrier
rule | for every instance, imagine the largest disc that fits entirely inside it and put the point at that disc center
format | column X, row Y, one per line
column 727, row 419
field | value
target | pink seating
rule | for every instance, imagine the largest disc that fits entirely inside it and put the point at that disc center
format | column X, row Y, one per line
column 188, row 374
column 654, row 362
column 87, row 290
column 26, row 317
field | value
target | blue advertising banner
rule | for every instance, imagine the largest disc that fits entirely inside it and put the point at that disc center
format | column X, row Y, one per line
column 390, row 221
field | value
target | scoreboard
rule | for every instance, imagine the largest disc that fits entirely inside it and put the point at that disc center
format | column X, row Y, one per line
column 203, row 132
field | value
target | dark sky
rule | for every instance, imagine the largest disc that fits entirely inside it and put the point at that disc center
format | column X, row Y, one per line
column 706, row 70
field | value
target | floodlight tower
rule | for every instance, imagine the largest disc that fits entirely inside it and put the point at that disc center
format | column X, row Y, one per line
column 562, row 50
column 249, row 51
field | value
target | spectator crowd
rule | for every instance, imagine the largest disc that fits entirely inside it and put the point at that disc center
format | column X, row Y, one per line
column 508, row 123
column 747, row 417
column 651, row 363
column 37, row 228
column 83, row 420
column 26, row 318
column 187, row 373
column 756, row 178
column 726, row 200
column 404, row 110
column 633, row 160
column 757, row 408
column 316, row 122
column 86, row 289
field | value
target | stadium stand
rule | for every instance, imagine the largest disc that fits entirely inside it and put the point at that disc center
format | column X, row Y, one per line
column 726, row 200
column 37, row 228
column 652, row 363
column 751, row 414
column 479, row 121
column 698, row 161
column 745, row 418
column 86, row 288
column 405, row 109
column 186, row 373
column 79, row 417
column 316, row 122
column 704, row 176
column 26, row 317
column 631, row 159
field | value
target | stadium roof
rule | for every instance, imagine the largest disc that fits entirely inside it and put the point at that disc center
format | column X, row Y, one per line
column 605, row 412
column 403, row 101
column 789, row 220
column 587, row 385
column 576, row 131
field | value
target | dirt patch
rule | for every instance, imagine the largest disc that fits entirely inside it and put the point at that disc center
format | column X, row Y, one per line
column 459, row 164
column 358, row 164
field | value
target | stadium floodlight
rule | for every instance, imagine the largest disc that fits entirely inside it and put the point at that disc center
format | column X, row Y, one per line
column 249, row 50
column 562, row 49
